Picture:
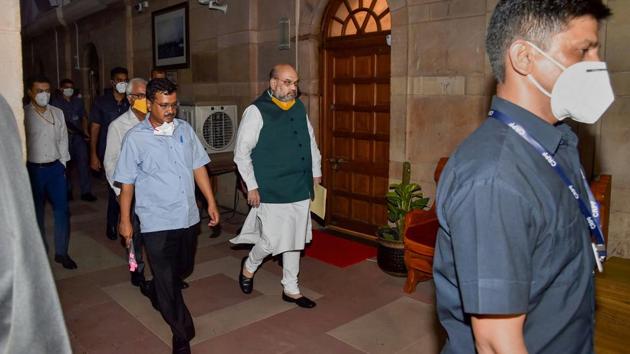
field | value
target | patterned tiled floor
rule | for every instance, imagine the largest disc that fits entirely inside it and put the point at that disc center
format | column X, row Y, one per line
column 360, row 309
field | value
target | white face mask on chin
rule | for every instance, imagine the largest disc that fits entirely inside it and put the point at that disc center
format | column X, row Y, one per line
column 582, row 92
column 166, row 129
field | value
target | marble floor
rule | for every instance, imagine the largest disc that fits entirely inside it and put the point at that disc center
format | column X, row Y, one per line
column 359, row 309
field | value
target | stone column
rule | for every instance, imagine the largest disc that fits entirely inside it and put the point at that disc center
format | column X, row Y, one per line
column 11, row 60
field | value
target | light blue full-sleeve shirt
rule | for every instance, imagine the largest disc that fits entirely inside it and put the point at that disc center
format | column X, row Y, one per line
column 161, row 169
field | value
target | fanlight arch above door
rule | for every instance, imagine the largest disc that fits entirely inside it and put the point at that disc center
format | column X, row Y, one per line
column 358, row 17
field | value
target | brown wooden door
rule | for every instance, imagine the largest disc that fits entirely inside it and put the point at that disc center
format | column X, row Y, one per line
column 356, row 132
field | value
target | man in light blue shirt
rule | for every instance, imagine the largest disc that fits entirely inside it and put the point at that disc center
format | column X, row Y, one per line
column 161, row 159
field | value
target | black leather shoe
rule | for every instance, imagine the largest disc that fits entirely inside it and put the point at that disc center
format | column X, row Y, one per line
column 302, row 301
column 181, row 346
column 66, row 261
column 137, row 278
column 88, row 197
column 112, row 233
column 246, row 284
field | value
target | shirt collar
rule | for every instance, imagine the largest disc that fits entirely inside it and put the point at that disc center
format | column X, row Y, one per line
column 549, row 136
column 147, row 125
column 109, row 95
column 131, row 115
column 31, row 106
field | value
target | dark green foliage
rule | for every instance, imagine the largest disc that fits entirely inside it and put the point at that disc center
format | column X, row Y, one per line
column 401, row 199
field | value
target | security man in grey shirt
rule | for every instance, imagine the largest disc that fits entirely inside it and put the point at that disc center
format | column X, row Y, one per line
column 513, row 262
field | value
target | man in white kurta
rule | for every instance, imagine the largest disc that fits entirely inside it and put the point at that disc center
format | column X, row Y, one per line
column 277, row 157
column 118, row 128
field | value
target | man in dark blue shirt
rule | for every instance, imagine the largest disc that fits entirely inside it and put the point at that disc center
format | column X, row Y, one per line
column 513, row 262
column 76, row 122
column 105, row 109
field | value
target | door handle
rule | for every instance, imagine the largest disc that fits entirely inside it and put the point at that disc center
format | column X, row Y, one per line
column 334, row 162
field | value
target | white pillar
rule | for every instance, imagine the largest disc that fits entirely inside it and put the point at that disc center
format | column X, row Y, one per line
column 11, row 85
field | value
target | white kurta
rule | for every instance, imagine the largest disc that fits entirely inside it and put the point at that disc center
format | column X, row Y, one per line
column 284, row 227
column 115, row 135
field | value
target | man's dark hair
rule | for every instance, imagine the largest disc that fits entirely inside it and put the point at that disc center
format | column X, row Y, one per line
column 163, row 86
column 535, row 21
column 37, row 78
column 118, row 70
column 158, row 70
column 66, row 81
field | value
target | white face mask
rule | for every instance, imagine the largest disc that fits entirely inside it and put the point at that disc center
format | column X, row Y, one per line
column 42, row 99
column 166, row 129
column 582, row 92
column 68, row 92
column 121, row 87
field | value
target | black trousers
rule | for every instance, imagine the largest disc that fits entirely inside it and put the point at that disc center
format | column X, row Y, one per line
column 172, row 257
column 113, row 210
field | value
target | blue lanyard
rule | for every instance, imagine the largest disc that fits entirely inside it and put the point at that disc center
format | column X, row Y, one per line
column 590, row 214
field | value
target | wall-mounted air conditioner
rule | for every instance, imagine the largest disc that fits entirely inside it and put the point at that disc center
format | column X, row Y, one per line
column 216, row 126
column 187, row 113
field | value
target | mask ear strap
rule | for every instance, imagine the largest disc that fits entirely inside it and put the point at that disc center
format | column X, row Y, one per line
column 538, row 86
column 547, row 56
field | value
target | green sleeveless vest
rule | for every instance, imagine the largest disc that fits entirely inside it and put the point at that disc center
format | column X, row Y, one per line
column 282, row 156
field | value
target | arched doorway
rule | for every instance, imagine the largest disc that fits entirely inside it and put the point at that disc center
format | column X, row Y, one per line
column 355, row 114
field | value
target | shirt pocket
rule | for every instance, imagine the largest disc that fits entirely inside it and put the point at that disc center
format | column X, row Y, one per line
column 148, row 165
column 569, row 243
column 185, row 149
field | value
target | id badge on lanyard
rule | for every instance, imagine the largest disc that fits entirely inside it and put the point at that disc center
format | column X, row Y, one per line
column 590, row 212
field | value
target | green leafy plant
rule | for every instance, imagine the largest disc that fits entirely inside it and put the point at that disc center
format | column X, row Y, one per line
column 401, row 199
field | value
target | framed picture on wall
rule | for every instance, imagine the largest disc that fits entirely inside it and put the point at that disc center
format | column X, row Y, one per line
column 170, row 37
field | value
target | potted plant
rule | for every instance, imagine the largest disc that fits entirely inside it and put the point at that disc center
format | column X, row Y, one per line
column 402, row 198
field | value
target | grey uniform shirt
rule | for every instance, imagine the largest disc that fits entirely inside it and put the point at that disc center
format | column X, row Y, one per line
column 45, row 141
column 512, row 239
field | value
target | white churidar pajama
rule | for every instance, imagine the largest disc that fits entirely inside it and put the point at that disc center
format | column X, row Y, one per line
column 273, row 228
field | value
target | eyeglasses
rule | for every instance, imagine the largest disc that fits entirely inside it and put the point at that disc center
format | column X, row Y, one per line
column 288, row 83
column 166, row 106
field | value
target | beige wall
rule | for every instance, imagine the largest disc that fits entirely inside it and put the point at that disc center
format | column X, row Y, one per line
column 441, row 79
column 613, row 135
column 11, row 60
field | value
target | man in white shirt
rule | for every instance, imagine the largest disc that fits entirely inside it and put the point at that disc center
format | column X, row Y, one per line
column 277, row 156
column 47, row 154
column 136, row 95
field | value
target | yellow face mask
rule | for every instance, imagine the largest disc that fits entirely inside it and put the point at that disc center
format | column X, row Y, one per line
column 140, row 105
column 283, row 105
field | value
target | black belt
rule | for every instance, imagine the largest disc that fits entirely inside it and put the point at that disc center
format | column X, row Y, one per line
column 45, row 164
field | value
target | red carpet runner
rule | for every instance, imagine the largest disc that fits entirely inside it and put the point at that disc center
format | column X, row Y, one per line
column 338, row 251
